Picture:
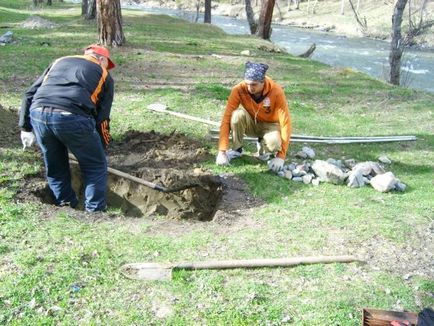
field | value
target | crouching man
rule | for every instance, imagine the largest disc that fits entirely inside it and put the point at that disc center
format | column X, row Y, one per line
column 263, row 114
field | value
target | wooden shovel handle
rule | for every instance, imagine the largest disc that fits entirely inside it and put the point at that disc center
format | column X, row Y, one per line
column 273, row 262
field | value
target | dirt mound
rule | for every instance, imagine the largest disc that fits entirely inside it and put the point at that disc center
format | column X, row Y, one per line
column 9, row 131
column 34, row 22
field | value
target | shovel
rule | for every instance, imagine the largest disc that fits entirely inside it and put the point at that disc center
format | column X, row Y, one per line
column 142, row 181
column 156, row 271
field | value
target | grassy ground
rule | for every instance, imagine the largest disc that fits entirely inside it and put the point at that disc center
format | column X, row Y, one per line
column 64, row 270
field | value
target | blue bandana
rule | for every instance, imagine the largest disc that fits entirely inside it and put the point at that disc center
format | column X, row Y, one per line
column 255, row 71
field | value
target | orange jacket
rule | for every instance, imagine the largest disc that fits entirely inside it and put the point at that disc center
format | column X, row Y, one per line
column 278, row 112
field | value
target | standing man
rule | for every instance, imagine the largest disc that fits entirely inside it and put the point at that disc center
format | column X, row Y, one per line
column 264, row 114
column 68, row 108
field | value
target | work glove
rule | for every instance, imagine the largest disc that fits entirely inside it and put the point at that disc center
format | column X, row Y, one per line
column 103, row 129
column 276, row 164
column 222, row 158
column 27, row 139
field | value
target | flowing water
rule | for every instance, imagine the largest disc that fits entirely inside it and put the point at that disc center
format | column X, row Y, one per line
column 361, row 54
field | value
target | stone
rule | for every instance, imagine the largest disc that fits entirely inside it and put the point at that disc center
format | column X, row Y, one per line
column 356, row 178
column 301, row 155
column 384, row 159
column 288, row 174
column 245, row 52
column 315, row 182
column 297, row 179
column 281, row 174
column 369, row 167
column 298, row 173
column 308, row 151
column 350, row 163
column 307, row 178
column 399, row 186
column 328, row 172
column 6, row 37
column 384, row 182
column 291, row 166
column 338, row 163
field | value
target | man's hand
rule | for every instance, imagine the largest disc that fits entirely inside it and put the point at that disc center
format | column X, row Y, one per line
column 276, row 164
column 27, row 139
column 222, row 158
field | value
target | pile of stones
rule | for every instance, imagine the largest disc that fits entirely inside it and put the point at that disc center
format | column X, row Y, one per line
column 348, row 171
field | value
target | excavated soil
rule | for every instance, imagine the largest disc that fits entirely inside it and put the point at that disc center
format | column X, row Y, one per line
column 167, row 162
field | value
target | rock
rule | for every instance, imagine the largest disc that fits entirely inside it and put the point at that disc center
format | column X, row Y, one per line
column 399, row 186
column 6, row 37
column 298, row 173
column 303, row 167
column 338, row 163
column 301, row 155
column 356, row 178
column 309, row 152
column 383, row 182
column 291, row 166
column 350, row 163
column 245, row 52
column 384, row 159
column 315, row 182
column 307, row 178
column 157, row 107
column 369, row 167
column 281, row 174
column 328, row 172
column 288, row 174
column 297, row 179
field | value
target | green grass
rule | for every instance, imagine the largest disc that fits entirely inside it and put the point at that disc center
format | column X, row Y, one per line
column 64, row 270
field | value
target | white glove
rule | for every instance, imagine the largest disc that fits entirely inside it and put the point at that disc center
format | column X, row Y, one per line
column 276, row 164
column 222, row 158
column 27, row 138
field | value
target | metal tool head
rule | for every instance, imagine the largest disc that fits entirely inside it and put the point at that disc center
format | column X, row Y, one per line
column 147, row 271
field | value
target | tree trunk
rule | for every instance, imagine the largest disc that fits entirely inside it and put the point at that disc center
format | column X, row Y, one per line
column 342, row 7
column 207, row 16
column 35, row 3
column 84, row 6
column 397, row 44
column 109, row 21
column 253, row 24
column 91, row 10
column 265, row 18
column 49, row 2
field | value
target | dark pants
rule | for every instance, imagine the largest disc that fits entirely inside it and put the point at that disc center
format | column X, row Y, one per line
column 57, row 131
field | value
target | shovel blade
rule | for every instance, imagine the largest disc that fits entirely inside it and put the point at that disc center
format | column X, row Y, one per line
column 147, row 271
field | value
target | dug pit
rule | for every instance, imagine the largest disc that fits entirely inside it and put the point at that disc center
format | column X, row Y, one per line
column 170, row 162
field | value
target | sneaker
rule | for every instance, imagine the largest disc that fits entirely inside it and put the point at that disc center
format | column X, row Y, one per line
column 261, row 154
column 234, row 153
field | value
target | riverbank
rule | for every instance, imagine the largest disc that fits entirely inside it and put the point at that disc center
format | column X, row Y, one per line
column 324, row 16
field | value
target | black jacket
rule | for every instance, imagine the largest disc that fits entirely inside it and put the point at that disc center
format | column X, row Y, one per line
column 77, row 84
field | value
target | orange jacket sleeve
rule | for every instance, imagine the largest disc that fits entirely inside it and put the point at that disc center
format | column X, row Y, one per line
column 233, row 103
column 284, row 122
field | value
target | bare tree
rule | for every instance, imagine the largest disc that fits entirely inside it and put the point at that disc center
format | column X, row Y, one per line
column 84, row 6
column 90, row 11
column 265, row 18
column 342, row 7
column 253, row 24
column 361, row 21
column 49, row 2
column 313, row 6
column 397, row 44
column 109, row 21
column 207, row 16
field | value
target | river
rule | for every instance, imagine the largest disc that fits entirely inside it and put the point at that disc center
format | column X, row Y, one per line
column 362, row 54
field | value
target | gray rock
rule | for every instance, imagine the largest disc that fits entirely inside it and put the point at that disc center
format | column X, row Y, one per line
column 315, row 182
column 399, row 186
column 6, row 37
column 288, row 174
column 350, row 163
column 356, row 178
column 297, row 179
column 328, row 172
column 291, row 166
column 301, row 154
column 298, row 173
column 369, row 167
column 383, row 182
column 245, row 52
column 309, row 152
column 384, row 159
column 307, row 178
column 281, row 174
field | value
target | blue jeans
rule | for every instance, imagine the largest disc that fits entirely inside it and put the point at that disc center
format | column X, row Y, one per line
column 57, row 131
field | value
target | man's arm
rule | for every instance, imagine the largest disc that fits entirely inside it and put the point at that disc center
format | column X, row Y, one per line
column 24, row 121
column 225, row 126
column 103, row 112
column 285, row 124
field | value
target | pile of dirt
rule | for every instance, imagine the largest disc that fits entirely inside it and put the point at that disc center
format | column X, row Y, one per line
column 34, row 22
column 9, row 131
